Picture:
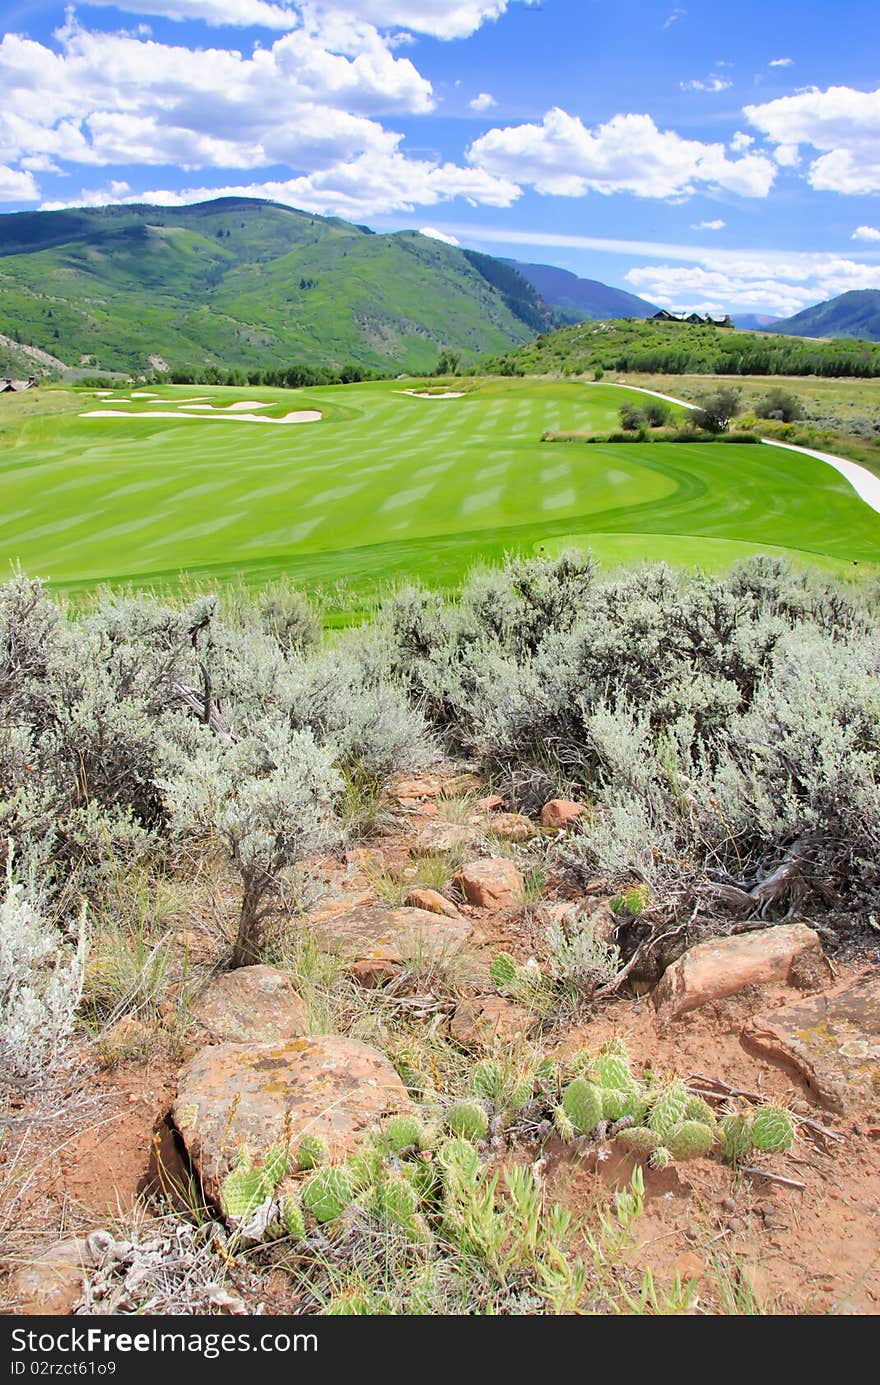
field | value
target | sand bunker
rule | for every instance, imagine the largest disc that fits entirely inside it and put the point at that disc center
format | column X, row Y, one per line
column 299, row 416
column 422, row 394
column 225, row 408
column 143, row 394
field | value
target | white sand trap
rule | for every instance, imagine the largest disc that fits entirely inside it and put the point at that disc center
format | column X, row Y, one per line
column 225, row 408
column 422, row 394
column 143, row 394
column 299, row 416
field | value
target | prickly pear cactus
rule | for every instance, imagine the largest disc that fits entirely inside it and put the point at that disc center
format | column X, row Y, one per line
column 292, row 1217
column 402, row 1133
column 521, row 1092
column 487, row 1081
column 563, row 1124
column 276, row 1162
column 311, row 1151
column 616, row 1046
column 638, row 1139
column 468, row 1119
column 699, row 1110
column 398, row 1200
column 613, row 1103
column 612, row 1071
column 660, row 1158
column 364, row 1169
column 736, row 1135
column 327, row 1193
column 243, row 1191
column 772, row 1130
column 502, row 971
column 668, row 1110
column 690, row 1140
column 582, row 1103
column 424, row 1176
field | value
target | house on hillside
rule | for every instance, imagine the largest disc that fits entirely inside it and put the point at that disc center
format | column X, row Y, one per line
column 16, row 386
column 694, row 319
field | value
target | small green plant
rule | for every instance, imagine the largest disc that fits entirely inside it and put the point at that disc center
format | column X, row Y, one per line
column 770, row 1130
column 327, row 1192
column 468, row 1119
column 310, row 1152
column 631, row 903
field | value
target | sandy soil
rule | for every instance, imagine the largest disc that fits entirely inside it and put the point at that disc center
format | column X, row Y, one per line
column 421, row 394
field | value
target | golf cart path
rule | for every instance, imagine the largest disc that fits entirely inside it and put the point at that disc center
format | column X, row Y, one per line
column 864, row 482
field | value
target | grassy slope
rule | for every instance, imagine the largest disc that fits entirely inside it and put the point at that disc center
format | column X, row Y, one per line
column 241, row 283
column 387, row 485
column 853, row 314
column 678, row 348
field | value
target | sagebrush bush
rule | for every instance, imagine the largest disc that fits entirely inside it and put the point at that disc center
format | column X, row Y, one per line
column 41, row 976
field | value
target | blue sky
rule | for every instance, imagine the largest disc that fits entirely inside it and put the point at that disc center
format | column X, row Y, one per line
column 702, row 155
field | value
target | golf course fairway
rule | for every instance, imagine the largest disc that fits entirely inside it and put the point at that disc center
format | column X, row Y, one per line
column 370, row 483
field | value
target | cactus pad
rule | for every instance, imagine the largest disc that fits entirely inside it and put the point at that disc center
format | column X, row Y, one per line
column 582, row 1103
column 401, row 1133
column 276, row 1162
column 669, row 1108
column 327, row 1193
column 736, row 1133
column 292, row 1218
column 311, row 1152
column 690, row 1140
column 772, row 1130
column 468, row 1119
column 243, row 1191
column 487, row 1081
column 638, row 1139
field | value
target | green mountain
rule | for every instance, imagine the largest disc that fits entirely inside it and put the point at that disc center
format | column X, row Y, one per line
column 243, row 282
column 854, row 314
column 581, row 300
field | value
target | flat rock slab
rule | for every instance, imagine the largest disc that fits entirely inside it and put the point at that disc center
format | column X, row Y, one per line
column 231, row 1095
column 392, row 936
column 431, row 901
column 251, row 1005
column 788, row 954
column 494, row 883
column 53, row 1282
column 487, row 1021
column 832, row 1039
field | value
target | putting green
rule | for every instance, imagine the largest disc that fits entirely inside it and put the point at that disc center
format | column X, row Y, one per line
column 386, row 484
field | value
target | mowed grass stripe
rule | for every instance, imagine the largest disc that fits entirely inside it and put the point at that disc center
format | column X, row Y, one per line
column 388, row 484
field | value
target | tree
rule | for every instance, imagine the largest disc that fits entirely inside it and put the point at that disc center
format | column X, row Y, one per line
column 780, row 404
column 448, row 363
column 716, row 411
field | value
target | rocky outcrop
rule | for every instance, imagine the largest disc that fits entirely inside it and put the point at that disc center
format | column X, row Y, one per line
column 231, row 1095
column 251, row 1005
column 491, row 884
column 788, row 954
column 560, row 813
column 387, row 939
column 832, row 1040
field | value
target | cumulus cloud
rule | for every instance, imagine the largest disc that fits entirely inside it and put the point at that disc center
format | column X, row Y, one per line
column 566, row 158
column 366, row 186
column 483, row 102
column 843, row 124
column 775, row 283
column 17, row 185
column 780, row 62
column 869, row 233
column 112, row 98
column 446, row 19
column 433, row 234
column 717, row 225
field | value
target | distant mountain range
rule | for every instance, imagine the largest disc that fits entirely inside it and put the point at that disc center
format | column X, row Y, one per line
column 243, row 282
column 854, row 314
column 754, row 322
column 581, row 300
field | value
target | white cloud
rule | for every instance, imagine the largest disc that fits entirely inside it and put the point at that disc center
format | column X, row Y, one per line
column 445, row 19
column 563, row 157
column 674, row 18
column 778, row 285
column 370, row 185
column 717, row 225
column 741, row 142
column 433, row 234
column 111, row 98
column 842, row 123
column 483, row 102
column 780, row 62
column 870, row 233
column 713, row 84
column 17, row 185
column 236, row 13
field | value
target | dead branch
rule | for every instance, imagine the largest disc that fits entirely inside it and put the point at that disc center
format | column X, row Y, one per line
column 775, row 1178
column 724, row 1090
